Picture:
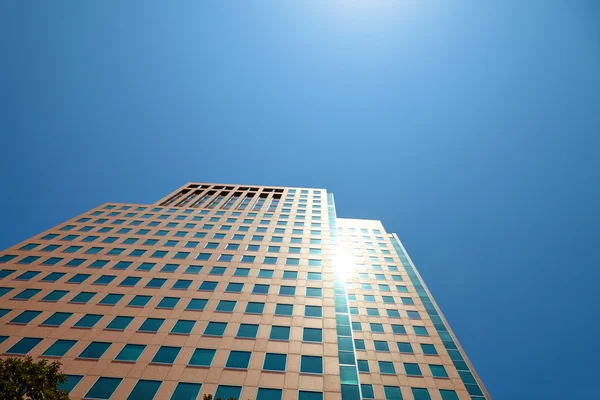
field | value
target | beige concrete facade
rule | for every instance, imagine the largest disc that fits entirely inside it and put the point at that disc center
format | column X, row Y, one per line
column 282, row 251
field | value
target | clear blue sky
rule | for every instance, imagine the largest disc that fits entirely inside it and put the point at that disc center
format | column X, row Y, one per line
column 470, row 128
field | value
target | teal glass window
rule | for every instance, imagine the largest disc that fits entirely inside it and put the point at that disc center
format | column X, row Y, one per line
column 387, row 367
column 139, row 301
column 76, row 262
column 393, row 313
column 166, row 355
column 95, row 350
column 359, row 344
column 313, row 311
column 202, row 357
column 255, row 307
column 381, row 345
column 292, row 261
column 448, row 394
column 238, row 359
column 94, row 250
column 269, row 394
column 413, row 314
column 144, row 389
column 183, row 327
column 196, row 305
column 78, row 278
column 50, row 236
column 420, row 331
column 130, row 281
column 309, row 395
column 25, row 294
column 193, row 269
column 57, row 319
column 226, row 306
column 25, row 317
column 215, row 328
column 186, row 391
column 98, row 264
column 405, row 347
column 27, row 275
column 182, row 284
column 363, row 366
column 217, row 271
column 280, row 333
column 412, row 369
column 392, row 393
column 294, row 250
column 227, row 392
column 314, row 263
column 70, row 383
column 241, row 272
column 169, row 268
column 438, row 371
column 24, row 346
column 104, row 280
column 420, row 394
column 367, row 391
column 428, row 349
column 203, row 256
column 260, row 289
column 248, row 331
column 7, row 257
column 156, row 283
column 88, row 321
column 168, row 302
column 83, row 297
column 313, row 292
column 151, row 324
column 376, row 327
column 356, row 326
column 284, row 309
column 290, row 274
column 275, row 362
column 6, row 272
column 115, row 251
column 158, row 254
column 407, row 301
column 119, row 323
column 104, row 388
column 398, row 329
column 287, row 290
column 121, row 265
column 234, row 287
column 208, row 285
column 111, row 299
column 312, row 335
column 130, row 352
column 54, row 247
column 59, row 348
column 265, row 273
column 55, row 295
column 314, row 276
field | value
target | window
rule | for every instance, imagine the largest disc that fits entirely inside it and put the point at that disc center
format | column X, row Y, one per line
column 151, row 325
column 393, row 313
column 280, row 333
column 59, row 348
column 420, row 394
column 438, row 371
column 25, row 317
column 186, row 391
column 356, row 326
column 226, row 392
column 287, row 290
column 103, row 388
column 359, row 344
column 88, row 321
column 386, row 367
column 255, row 307
column 275, row 362
column 372, row 312
column 168, row 302
column 375, row 327
column 367, row 391
column 182, row 284
column 104, row 280
column 292, row 261
column 97, row 264
column 238, row 359
column 166, row 355
column 381, row 345
column 25, row 294
column 308, row 395
column 130, row 281
column 290, row 274
column 248, row 259
column 398, row 329
column 193, row 269
column 314, row 276
column 139, row 301
column 448, row 394
column 156, row 283
column 196, row 305
column 241, row 272
column 24, row 346
column 111, row 299
column 119, row 323
column 217, row 271
column 55, row 295
column 405, row 347
column 363, row 366
column 144, row 389
column 413, row 315
column 428, row 349
column 313, row 311
column 78, row 278
column 284, row 309
column 313, row 292
column 202, row 357
column 208, row 285
column 27, row 275
column 412, row 369
column 183, row 327
column 226, row 306
column 95, row 350
column 76, row 262
column 130, row 352
column 312, row 335
column 57, row 319
column 294, row 250
column 260, row 289
column 215, row 329
column 269, row 394
column 123, row 265
column 311, row 364
column 265, row 273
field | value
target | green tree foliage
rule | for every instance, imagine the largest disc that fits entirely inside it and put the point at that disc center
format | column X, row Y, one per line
column 23, row 378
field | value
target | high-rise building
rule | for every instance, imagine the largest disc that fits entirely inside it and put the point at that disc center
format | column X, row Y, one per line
column 246, row 292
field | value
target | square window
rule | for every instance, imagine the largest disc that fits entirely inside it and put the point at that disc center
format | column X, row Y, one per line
column 275, row 362
column 166, row 355
column 438, row 371
column 311, row 364
column 130, row 281
column 248, row 331
column 312, row 335
column 398, row 329
column 313, row 311
column 428, row 349
column 208, row 285
column 83, row 297
column 405, row 347
column 130, row 352
column 412, row 369
column 381, row 345
column 260, row 289
column 292, row 261
column 104, row 280
column 227, row 392
column 287, row 290
column 215, row 328
column 314, row 276
column 359, row 344
column 182, row 284
column 234, row 287
column 255, row 308
column 238, row 359
column 386, row 368
column 111, row 299
column 367, row 391
column 196, row 305
column 168, row 302
column 25, row 317
column 420, row 331
column 144, row 389
column 55, row 295
column 284, row 309
column 151, row 325
column 363, row 366
column 145, row 266
column 420, row 394
column 169, row 268
column 202, row 357
column 59, row 348
column 95, row 350
column 226, row 306
column 280, row 333
column 290, row 274
column 119, row 323
column 24, row 295
column 313, row 292
column 24, row 346
column 139, row 301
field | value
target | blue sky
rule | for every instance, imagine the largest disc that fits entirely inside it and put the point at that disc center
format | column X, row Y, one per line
column 469, row 128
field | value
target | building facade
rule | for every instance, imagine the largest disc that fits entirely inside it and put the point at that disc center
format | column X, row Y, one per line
column 245, row 292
